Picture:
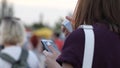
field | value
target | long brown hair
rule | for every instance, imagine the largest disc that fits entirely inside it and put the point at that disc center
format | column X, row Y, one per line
column 89, row 11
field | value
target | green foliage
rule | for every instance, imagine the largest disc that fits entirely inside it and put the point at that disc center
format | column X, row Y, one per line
column 37, row 26
column 57, row 27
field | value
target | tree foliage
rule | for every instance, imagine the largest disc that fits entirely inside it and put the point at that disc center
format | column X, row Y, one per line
column 38, row 26
column 57, row 27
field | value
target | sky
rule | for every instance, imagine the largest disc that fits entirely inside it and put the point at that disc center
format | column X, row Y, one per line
column 29, row 10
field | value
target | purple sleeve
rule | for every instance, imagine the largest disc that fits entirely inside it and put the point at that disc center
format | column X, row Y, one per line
column 73, row 49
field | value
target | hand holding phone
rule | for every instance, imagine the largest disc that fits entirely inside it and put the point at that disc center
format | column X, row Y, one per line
column 50, row 50
column 49, row 43
column 67, row 24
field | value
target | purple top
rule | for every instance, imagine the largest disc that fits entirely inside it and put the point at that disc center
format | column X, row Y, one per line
column 107, row 48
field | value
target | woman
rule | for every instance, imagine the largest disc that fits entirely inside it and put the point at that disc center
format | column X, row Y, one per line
column 12, row 37
column 104, row 16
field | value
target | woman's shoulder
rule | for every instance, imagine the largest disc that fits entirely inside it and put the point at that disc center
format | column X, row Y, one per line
column 74, row 44
column 76, row 33
column 75, row 40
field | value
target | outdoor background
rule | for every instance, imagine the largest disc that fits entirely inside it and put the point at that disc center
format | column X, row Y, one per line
column 39, row 17
column 49, row 11
column 42, row 20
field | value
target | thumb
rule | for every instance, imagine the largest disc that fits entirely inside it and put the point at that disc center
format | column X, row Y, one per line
column 71, row 20
column 52, row 49
column 46, row 53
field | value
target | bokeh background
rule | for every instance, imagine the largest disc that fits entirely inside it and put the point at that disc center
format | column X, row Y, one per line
column 32, row 11
column 42, row 18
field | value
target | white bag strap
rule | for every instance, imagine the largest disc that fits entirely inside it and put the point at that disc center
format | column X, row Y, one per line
column 89, row 46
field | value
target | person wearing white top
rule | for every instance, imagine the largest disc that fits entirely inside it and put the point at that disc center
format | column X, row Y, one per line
column 15, row 51
column 12, row 37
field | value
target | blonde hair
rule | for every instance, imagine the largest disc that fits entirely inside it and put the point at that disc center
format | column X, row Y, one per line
column 12, row 32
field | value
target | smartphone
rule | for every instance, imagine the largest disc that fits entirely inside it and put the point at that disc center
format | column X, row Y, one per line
column 47, row 43
column 67, row 24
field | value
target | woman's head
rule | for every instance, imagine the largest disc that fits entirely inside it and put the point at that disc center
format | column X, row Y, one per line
column 12, row 31
column 91, row 11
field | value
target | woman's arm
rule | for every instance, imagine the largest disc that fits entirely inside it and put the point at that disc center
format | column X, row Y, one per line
column 65, row 65
column 51, row 61
column 56, row 65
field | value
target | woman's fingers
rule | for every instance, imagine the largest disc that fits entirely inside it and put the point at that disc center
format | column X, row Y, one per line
column 46, row 53
column 70, row 19
column 63, row 28
column 65, row 31
column 52, row 49
column 53, row 55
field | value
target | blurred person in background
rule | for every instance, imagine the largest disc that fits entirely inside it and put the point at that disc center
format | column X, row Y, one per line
column 12, row 37
column 38, row 49
column 58, row 41
column 1, row 45
column 36, row 45
column 27, row 44
column 104, row 16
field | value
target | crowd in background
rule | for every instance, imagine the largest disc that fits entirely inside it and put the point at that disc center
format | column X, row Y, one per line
column 14, row 37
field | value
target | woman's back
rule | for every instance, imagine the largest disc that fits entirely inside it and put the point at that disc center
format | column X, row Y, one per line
column 107, row 46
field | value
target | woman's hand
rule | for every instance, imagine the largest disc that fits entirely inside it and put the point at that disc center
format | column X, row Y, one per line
column 53, row 55
column 51, row 58
column 72, row 21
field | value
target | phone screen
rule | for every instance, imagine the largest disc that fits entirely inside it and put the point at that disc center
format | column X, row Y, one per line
column 47, row 43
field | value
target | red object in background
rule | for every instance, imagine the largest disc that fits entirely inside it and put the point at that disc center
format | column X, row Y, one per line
column 59, row 43
column 34, row 40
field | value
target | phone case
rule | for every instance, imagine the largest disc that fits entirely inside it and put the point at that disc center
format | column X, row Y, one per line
column 67, row 24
